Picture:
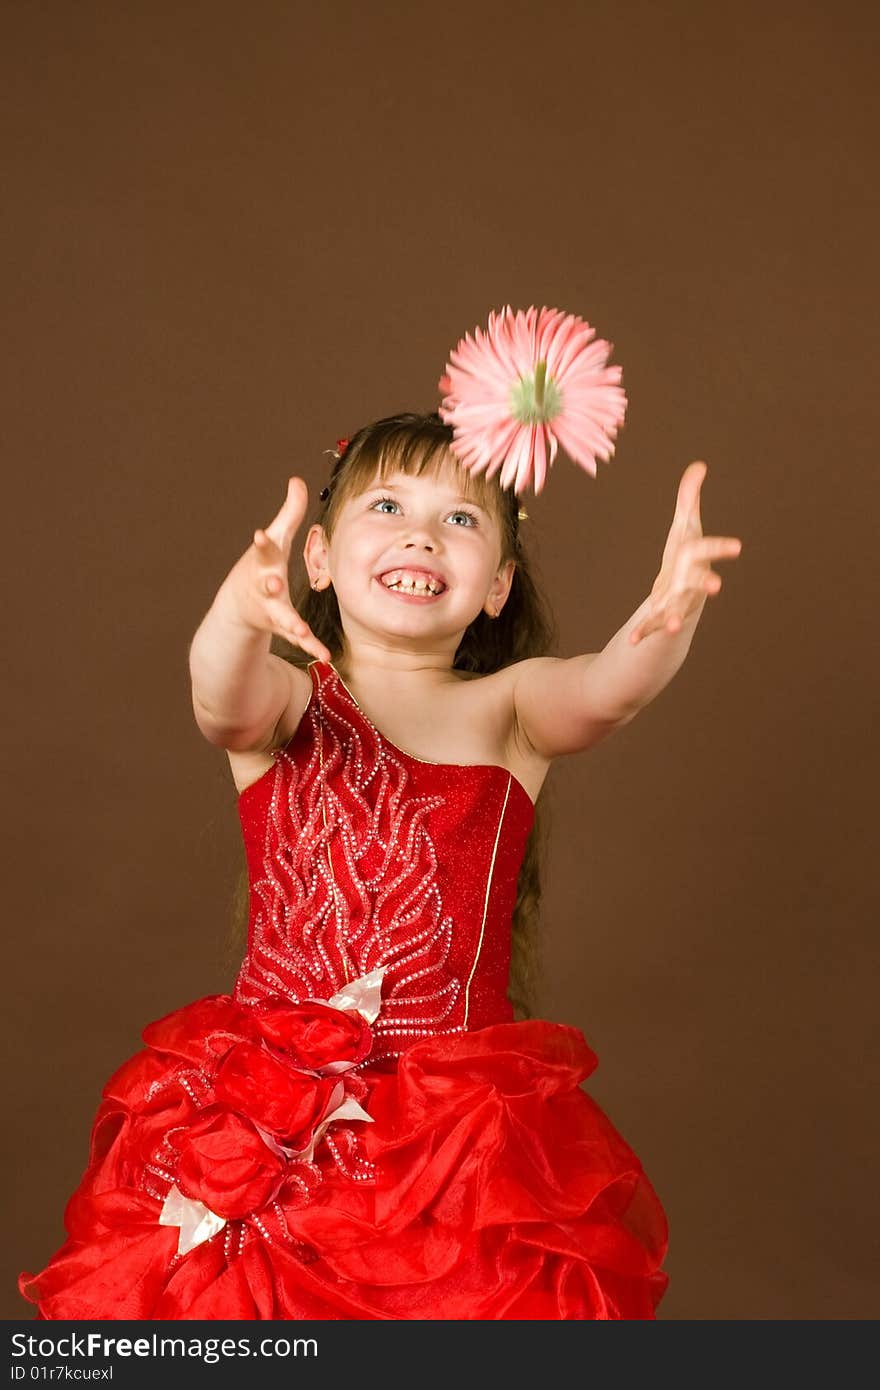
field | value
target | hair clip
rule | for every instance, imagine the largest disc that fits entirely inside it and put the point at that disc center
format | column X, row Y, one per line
column 337, row 453
column 523, row 514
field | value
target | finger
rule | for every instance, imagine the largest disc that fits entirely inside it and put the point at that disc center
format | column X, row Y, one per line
column 268, row 553
column 271, row 575
column 308, row 642
column 304, row 637
column 686, row 517
column 643, row 630
column 714, row 548
column 286, row 522
column 668, row 621
column 321, row 652
column 297, row 492
column 294, row 506
column 699, row 469
column 653, row 617
column 294, row 627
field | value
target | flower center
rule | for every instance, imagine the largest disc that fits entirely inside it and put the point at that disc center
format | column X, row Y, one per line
column 535, row 398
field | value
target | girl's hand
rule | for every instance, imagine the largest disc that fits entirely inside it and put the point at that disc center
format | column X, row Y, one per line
column 262, row 590
column 686, row 575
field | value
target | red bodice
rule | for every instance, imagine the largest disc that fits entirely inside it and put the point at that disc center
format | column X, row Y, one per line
column 362, row 855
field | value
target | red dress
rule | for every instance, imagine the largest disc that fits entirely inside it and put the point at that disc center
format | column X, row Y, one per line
column 361, row 1129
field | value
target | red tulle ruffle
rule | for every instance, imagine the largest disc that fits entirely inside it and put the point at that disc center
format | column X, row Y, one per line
column 486, row 1183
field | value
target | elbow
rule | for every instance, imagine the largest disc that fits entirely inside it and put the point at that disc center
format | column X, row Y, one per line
column 219, row 733
column 209, row 727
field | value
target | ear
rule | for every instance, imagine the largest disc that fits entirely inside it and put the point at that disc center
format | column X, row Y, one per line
column 315, row 552
column 497, row 595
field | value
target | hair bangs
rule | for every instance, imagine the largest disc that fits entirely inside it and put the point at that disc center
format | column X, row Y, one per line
column 414, row 445
column 414, row 453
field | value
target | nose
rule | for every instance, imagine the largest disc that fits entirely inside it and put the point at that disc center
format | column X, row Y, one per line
column 420, row 536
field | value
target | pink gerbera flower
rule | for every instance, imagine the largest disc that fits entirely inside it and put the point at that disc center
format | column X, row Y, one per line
column 530, row 381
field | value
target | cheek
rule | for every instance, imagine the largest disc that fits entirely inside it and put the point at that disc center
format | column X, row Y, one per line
column 481, row 556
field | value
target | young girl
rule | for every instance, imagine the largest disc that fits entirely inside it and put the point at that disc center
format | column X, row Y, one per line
column 366, row 1128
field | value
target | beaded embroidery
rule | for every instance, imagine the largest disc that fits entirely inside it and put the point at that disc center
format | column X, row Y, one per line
column 350, row 880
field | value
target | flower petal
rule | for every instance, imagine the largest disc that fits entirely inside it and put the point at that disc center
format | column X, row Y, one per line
column 196, row 1221
column 501, row 425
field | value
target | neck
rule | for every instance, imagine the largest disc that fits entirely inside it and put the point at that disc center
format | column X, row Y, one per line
column 371, row 665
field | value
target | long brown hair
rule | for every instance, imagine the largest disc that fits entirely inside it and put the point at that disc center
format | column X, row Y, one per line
column 414, row 443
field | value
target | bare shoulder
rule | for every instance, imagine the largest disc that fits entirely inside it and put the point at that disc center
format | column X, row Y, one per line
column 517, row 676
column 494, row 704
column 531, row 666
column 533, row 670
column 249, row 764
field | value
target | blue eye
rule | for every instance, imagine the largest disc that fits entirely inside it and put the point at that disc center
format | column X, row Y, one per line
column 380, row 502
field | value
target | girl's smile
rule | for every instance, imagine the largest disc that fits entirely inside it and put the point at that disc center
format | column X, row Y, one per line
column 412, row 595
column 411, row 581
column 426, row 543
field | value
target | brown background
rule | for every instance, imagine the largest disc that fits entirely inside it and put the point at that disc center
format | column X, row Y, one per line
column 234, row 233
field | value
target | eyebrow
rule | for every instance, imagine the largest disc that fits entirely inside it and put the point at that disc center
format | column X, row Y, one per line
column 402, row 487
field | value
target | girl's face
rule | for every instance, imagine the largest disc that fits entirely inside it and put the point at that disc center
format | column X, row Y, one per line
column 407, row 532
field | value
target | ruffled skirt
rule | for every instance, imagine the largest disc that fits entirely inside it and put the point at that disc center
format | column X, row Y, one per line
column 244, row 1167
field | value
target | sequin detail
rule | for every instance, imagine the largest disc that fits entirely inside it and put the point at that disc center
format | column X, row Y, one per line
column 347, row 874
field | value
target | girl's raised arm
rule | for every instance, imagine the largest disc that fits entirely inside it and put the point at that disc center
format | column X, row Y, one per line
column 566, row 706
column 239, row 689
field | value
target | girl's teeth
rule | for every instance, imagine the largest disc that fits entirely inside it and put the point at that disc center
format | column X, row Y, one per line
column 414, row 586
